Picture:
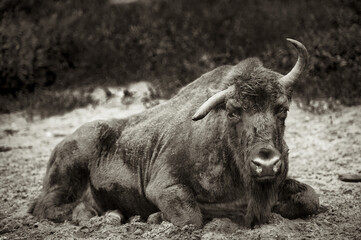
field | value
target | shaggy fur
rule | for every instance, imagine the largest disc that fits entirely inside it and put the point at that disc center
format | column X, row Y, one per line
column 161, row 160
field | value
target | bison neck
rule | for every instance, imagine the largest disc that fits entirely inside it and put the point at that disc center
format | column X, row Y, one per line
column 261, row 198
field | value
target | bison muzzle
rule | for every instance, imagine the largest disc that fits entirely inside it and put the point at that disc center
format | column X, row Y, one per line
column 216, row 149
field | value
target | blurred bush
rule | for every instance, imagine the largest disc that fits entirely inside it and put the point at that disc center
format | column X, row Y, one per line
column 70, row 44
column 46, row 103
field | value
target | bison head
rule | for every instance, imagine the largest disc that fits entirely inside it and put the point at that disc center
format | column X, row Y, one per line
column 256, row 101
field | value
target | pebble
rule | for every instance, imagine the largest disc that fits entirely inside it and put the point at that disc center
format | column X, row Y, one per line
column 113, row 218
column 138, row 231
column 135, row 219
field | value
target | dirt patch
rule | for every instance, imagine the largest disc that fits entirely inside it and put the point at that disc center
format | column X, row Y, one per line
column 321, row 148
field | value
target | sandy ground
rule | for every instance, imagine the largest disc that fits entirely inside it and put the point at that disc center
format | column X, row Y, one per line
column 321, row 148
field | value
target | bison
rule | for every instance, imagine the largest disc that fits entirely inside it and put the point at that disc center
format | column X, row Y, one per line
column 216, row 149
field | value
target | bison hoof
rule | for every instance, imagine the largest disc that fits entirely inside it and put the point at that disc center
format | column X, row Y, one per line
column 155, row 218
column 114, row 217
column 82, row 214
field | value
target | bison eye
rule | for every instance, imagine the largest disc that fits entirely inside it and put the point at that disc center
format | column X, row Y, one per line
column 234, row 116
column 282, row 116
column 281, row 109
column 234, row 111
column 281, row 112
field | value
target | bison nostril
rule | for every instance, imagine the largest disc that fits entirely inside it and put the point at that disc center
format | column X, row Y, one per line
column 257, row 163
column 259, row 169
column 276, row 165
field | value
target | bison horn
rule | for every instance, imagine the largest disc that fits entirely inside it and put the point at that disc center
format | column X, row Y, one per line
column 211, row 103
column 289, row 79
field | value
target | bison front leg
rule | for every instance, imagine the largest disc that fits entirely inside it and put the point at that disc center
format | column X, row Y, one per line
column 296, row 199
column 177, row 204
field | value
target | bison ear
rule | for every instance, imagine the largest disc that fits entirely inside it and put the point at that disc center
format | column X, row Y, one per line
column 212, row 102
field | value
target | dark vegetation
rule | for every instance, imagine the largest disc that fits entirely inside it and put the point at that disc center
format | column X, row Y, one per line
column 49, row 46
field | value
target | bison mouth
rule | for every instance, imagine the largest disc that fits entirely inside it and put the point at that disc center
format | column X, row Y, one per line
column 267, row 178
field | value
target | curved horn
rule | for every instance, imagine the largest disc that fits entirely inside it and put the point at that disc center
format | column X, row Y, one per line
column 299, row 67
column 208, row 105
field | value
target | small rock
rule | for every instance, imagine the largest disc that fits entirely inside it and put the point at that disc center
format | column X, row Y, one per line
column 350, row 177
column 348, row 191
column 96, row 220
column 138, row 231
column 188, row 228
column 167, row 224
column 82, row 232
column 10, row 132
column 5, row 149
column 114, row 217
column 224, row 225
column 135, row 219
column 59, row 134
